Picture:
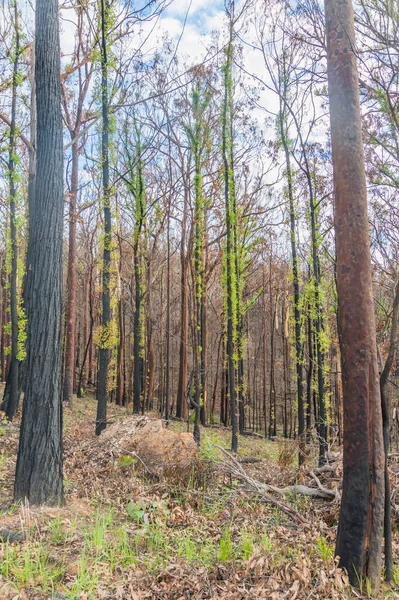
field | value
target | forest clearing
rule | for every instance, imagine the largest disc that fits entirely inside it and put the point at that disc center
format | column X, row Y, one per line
column 125, row 534
column 199, row 299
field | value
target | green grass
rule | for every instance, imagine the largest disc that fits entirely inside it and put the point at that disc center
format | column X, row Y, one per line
column 87, row 579
column 57, row 534
column 226, row 549
column 152, row 525
column 324, row 549
column 31, row 565
column 126, row 461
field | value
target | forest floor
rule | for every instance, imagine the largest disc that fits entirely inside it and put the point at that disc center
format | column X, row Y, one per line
column 124, row 536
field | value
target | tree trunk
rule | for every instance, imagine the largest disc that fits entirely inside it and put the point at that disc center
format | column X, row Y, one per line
column 167, row 378
column 70, row 333
column 272, row 384
column 204, row 330
column 386, row 422
column 88, row 335
column 359, row 537
column 223, row 385
column 137, row 333
column 120, row 390
column 264, row 353
column 150, row 341
column 101, row 420
column 215, row 386
column 39, row 464
column 295, row 284
column 12, row 403
column 309, row 380
column 229, row 193
column 86, row 327
column 181, row 404
column 286, row 367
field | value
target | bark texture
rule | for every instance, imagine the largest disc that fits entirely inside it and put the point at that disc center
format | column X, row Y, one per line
column 360, row 529
column 39, row 463
column 104, row 351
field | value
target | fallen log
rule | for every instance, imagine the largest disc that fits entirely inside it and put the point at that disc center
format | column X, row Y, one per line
column 304, row 490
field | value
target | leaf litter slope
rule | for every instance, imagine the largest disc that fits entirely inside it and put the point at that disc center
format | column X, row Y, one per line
column 128, row 534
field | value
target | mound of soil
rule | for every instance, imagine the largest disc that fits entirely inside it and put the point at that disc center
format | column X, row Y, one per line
column 161, row 452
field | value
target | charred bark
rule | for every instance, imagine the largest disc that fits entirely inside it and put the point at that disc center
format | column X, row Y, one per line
column 39, row 464
column 359, row 537
column 101, row 418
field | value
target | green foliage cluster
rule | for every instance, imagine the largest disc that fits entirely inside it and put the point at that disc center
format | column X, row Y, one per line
column 136, row 186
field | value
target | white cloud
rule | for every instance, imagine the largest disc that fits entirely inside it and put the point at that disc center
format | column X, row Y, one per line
column 179, row 8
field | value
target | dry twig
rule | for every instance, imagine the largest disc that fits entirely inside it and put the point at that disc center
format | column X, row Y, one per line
column 233, row 467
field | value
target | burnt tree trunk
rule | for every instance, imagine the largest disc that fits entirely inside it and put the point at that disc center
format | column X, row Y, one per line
column 215, row 386
column 223, row 385
column 272, row 382
column 101, row 419
column 120, row 383
column 151, row 363
column 13, row 373
column 295, row 285
column 181, row 404
column 264, row 353
column 230, row 265
column 309, row 380
column 359, row 537
column 39, row 464
column 167, row 374
column 386, row 422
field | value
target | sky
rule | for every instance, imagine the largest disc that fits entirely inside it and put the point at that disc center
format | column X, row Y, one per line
column 193, row 20
column 189, row 22
column 201, row 16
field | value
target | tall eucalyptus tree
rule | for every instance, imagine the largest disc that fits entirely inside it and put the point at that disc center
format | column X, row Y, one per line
column 39, row 463
column 359, row 537
column 104, row 351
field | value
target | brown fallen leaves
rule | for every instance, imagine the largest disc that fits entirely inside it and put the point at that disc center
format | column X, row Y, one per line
column 257, row 578
column 286, row 560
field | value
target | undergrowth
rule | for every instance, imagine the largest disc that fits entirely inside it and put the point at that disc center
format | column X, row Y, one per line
column 122, row 533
